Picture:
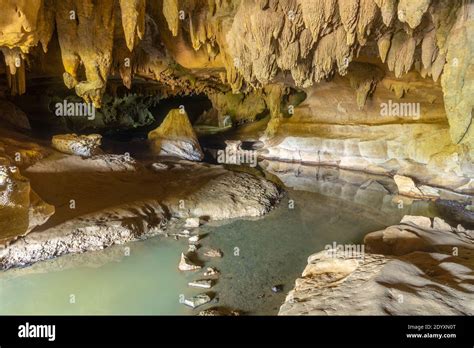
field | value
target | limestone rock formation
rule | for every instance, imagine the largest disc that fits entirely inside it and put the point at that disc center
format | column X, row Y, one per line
column 186, row 265
column 249, row 57
column 175, row 137
column 21, row 209
column 416, row 268
column 79, row 145
column 229, row 196
column 115, row 204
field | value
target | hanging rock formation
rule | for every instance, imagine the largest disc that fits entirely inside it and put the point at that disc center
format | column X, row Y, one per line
column 414, row 51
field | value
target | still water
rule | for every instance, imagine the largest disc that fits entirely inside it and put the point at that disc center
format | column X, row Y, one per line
column 142, row 277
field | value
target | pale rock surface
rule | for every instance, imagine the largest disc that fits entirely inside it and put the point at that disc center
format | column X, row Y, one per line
column 175, row 137
column 197, row 301
column 80, row 145
column 210, row 252
column 410, row 270
column 117, row 203
column 186, row 265
column 192, row 222
column 229, row 196
column 201, row 283
column 88, row 232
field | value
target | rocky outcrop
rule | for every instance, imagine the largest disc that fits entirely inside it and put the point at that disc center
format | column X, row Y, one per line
column 175, row 137
column 230, row 195
column 420, row 267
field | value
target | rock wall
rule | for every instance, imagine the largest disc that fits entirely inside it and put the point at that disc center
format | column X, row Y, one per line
column 330, row 128
column 349, row 56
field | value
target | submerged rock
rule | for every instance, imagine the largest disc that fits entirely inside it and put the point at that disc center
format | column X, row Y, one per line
column 192, row 222
column 194, row 239
column 213, row 253
column 186, row 265
column 80, row 145
column 458, row 212
column 428, row 272
column 201, row 283
column 175, row 137
column 197, row 301
column 277, row 288
column 218, row 312
column 211, row 271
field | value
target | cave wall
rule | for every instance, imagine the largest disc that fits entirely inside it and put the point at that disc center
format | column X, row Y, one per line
column 350, row 55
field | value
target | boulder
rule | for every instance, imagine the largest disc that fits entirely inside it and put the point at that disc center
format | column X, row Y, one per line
column 79, row 145
column 175, row 137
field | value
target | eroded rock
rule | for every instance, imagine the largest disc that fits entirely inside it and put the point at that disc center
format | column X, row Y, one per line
column 422, row 277
column 21, row 209
column 79, row 145
column 175, row 137
column 186, row 265
column 197, row 301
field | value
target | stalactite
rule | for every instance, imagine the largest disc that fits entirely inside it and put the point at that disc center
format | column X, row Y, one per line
column 401, row 54
column 171, row 12
column 133, row 21
column 238, row 45
column 411, row 11
column 80, row 45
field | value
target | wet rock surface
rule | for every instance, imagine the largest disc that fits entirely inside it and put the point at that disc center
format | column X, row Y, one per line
column 111, row 199
column 419, row 267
